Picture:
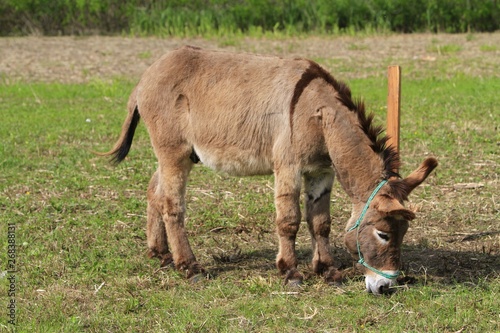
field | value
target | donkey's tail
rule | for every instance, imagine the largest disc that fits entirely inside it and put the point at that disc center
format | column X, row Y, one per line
column 122, row 146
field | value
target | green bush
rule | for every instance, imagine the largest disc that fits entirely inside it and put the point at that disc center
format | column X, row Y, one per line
column 221, row 17
column 65, row 17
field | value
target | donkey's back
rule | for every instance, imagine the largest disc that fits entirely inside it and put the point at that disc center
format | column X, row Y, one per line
column 231, row 110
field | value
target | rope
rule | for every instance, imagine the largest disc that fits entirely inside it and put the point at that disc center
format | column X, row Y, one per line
column 356, row 226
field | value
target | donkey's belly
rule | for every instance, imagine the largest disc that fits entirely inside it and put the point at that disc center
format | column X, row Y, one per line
column 235, row 162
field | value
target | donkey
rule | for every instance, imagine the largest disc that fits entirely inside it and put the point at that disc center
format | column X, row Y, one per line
column 245, row 114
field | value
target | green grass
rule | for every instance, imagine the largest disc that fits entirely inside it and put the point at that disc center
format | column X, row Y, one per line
column 358, row 47
column 489, row 48
column 81, row 248
column 444, row 49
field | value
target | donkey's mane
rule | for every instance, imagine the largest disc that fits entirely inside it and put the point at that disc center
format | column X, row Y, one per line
column 389, row 155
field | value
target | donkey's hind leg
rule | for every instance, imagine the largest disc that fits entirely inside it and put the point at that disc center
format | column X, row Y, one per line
column 173, row 175
column 155, row 230
column 318, row 188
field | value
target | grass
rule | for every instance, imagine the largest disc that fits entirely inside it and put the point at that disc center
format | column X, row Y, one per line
column 489, row 48
column 81, row 241
column 358, row 47
column 444, row 49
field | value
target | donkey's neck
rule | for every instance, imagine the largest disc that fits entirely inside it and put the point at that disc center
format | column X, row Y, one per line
column 359, row 169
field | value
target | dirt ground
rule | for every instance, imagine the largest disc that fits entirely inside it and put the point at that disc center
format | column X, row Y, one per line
column 80, row 59
column 458, row 255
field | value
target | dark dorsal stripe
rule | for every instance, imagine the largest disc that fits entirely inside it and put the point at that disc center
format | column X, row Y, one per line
column 315, row 71
column 389, row 155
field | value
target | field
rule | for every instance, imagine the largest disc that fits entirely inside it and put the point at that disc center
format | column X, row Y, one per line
column 78, row 223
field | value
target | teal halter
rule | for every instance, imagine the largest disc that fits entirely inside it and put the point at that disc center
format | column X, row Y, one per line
column 356, row 226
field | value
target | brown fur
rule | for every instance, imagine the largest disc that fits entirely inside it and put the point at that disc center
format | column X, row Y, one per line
column 247, row 114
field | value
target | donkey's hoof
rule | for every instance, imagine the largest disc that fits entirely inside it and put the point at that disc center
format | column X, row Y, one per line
column 165, row 258
column 293, row 278
column 333, row 277
column 152, row 254
column 193, row 269
column 197, row 278
column 294, row 284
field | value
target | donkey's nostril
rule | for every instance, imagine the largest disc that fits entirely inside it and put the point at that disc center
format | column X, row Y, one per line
column 385, row 290
column 382, row 289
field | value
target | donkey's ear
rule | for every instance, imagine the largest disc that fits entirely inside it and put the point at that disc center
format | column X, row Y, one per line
column 388, row 206
column 401, row 188
column 420, row 174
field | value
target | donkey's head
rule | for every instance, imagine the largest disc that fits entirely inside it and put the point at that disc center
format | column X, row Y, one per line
column 379, row 225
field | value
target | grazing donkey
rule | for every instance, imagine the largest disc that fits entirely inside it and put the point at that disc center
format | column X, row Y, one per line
column 245, row 115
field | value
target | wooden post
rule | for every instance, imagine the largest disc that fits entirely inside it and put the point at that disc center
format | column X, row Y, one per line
column 393, row 105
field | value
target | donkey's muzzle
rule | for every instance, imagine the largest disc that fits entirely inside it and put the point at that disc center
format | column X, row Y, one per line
column 379, row 285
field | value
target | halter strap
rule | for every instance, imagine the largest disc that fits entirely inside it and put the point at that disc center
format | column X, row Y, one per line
column 356, row 226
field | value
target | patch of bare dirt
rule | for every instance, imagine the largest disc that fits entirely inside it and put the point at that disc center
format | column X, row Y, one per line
column 80, row 59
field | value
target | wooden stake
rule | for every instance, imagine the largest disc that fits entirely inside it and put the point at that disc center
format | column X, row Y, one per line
column 393, row 105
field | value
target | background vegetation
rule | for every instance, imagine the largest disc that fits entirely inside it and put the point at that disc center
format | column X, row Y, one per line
column 218, row 17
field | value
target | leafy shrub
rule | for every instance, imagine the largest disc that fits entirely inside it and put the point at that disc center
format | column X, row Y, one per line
column 220, row 17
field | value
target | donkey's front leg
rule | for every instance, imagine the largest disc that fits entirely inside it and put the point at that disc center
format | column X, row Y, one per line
column 287, row 196
column 318, row 188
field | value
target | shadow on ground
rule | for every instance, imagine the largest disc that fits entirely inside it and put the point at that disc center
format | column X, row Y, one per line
column 420, row 264
column 448, row 266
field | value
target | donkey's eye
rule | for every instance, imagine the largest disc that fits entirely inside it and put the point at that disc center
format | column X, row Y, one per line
column 383, row 235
